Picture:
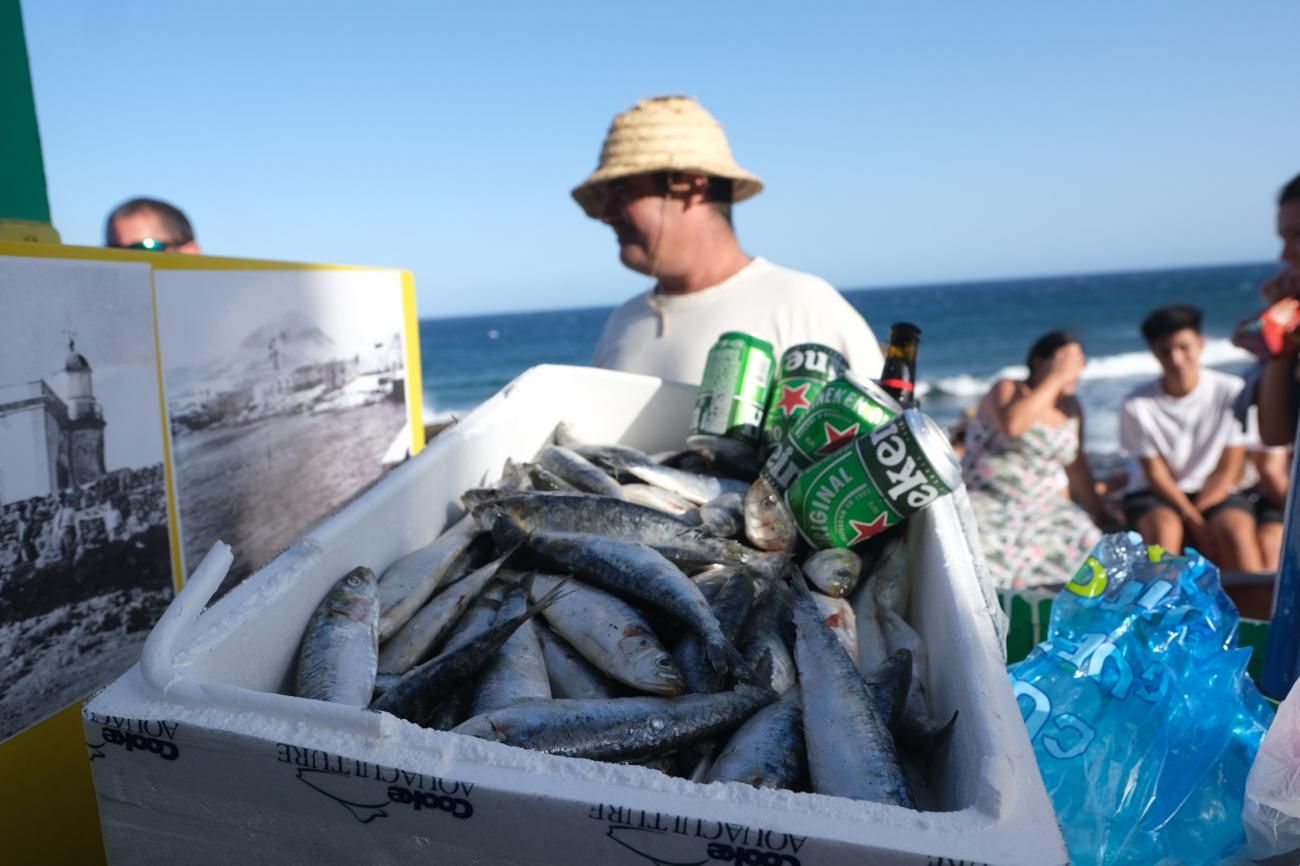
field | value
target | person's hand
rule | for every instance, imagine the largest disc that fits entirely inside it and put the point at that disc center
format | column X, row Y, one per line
column 1284, row 285
column 1066, row 364
column 1194, row 519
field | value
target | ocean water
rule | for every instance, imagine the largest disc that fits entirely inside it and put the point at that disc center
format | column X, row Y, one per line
column 973, row 334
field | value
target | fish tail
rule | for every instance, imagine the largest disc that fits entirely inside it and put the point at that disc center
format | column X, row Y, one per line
column 782, row 593
column 723, row 656
column 923, row 736
column 545, row 601
column 799, row 582
column 761, row 673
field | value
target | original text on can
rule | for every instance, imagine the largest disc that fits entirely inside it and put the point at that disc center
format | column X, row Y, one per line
column 884, row 478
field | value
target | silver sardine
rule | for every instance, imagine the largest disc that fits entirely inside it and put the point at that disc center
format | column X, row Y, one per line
column 610, row 634
column 618, row 729
column 558, row 512
column 415, row 641
column 731, row 606
column 571, row 675
column 518, row 671
column 850, row 750
column 834, row 571
column 578, row 471
column 417, row 695
column 767, row 751
column 632, row 571
column 413, row 579
column 690, row 485
column 340, row 646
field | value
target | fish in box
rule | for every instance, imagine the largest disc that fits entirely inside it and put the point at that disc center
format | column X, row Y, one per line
column 252, row 773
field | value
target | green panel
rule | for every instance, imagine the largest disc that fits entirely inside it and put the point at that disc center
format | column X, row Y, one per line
column 1030, row 613
column 1020, row 631
column 22, row 171
column 1254, row 634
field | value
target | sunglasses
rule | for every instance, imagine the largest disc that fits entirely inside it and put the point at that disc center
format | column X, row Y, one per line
column 151, row 244
column 625, row 190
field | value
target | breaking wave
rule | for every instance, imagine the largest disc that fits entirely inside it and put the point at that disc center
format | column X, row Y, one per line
column 1126, row 365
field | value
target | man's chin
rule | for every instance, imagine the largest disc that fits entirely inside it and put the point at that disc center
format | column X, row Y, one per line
column 635, row 259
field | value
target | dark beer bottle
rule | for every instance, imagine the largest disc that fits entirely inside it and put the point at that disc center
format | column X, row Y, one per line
column 899, row 374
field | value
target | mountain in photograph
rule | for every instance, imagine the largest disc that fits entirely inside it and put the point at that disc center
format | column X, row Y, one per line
column 285, row 366
column 285, row 343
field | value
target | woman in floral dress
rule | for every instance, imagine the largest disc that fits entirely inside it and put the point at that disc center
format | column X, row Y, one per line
column 1023, row 460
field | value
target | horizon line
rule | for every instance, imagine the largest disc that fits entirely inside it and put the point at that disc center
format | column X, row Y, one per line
column 978, row 281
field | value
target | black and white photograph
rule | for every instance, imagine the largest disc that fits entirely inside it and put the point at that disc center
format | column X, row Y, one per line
column 85, row 565
column 286, row 397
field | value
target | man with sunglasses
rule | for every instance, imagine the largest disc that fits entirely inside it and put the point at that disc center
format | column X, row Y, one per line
column 666, row 184
column 149, row 224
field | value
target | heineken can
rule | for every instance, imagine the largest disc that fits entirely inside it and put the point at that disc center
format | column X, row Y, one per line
column 803, row 373
column 729, row 406
column 884, row 478
column 845, row 409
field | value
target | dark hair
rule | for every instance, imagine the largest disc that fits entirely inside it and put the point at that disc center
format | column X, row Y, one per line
column 172, row 219
column 1045, row 346
column 1290, row 192
column 1170, row 320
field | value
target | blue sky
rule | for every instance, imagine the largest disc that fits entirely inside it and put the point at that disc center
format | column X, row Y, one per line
column 901, row 143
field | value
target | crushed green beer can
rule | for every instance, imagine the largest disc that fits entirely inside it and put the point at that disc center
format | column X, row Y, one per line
column 800, row 378
column 734, row 391
column 845, row 409
column 885, row 477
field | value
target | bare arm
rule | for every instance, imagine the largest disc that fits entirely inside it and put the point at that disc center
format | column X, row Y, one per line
column 1163, row 485
column 1277, row 403
column 1083, row 486
column 1274, row 475
column 1016, row 409
column 1224, row 477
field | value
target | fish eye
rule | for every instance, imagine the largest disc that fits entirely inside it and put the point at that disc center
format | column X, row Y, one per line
column 664, row 663
column 353, row 580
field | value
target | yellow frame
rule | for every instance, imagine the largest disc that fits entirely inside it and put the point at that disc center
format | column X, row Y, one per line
column 48, row 812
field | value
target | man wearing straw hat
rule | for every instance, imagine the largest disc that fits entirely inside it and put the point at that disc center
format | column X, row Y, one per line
column 665, row 184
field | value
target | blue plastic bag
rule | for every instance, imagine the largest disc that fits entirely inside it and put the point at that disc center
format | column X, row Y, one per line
column 1140, row 711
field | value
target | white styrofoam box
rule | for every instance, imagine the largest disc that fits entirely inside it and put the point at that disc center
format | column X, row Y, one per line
column 197, row 758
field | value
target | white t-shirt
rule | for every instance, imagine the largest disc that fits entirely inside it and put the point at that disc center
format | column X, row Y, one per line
column 1189, row 432
column 669, row 336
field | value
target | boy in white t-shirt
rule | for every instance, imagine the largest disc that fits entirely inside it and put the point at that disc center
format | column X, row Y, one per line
column 1190, row 449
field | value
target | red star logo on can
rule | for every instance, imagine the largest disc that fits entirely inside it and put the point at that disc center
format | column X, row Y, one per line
column 837, row 438
column 868, row 530
column 793, row 398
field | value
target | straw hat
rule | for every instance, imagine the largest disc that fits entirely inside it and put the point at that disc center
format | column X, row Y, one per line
column 666, row 133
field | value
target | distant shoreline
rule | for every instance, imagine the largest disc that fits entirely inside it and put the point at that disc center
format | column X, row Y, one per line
column 884, row 287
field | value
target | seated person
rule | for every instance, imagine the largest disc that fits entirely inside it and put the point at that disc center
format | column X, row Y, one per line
column 1189, row 449
column 1023, row 457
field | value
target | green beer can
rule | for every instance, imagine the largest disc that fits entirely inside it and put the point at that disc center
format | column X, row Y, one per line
column 845, row 409
column 885, row 477
column 729, row 406
column 803, row 373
